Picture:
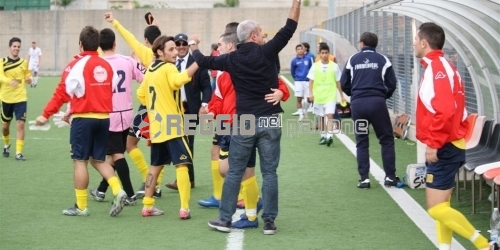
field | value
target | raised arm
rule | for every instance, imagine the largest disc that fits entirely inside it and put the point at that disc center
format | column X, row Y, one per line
column 203, row 82
column 275, row 45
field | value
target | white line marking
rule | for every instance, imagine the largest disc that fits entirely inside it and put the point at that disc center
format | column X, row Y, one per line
column 412, row 209
column 39, row 138
column 287, row 82
column 236, row 236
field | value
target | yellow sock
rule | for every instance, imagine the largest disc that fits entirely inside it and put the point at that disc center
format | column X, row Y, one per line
column 160, row 178
column 251, row 197
column 184, row 185
column 81, row 199
column 19, row 146
column 240, row 195
column 444, row 234
column 217, row 180
column 457, row 222
column 115, row 185
column 140, row 162
column 6, row 140
column 148, row 202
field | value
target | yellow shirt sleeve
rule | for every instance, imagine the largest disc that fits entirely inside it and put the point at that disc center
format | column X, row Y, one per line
column 175, row 79
column 3, row 79
column 27, row 73
column 144, row 53
column 141, row 92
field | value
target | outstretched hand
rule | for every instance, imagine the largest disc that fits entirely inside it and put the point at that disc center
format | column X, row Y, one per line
column 274, row 97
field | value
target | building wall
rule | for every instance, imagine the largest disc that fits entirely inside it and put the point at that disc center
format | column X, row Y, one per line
column 56, row 32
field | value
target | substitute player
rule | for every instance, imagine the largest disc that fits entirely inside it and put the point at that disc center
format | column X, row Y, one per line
column 160, row 93
column 88, row 83
column 34, row 58
column 146, row 56
column 324, row 81
column 121, row 118
column 14, row 74
column 442, row 125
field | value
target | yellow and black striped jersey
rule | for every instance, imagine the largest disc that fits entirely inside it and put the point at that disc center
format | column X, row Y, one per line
column 16, row 69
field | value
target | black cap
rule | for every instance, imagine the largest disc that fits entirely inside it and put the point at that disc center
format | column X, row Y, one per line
column 181, row 37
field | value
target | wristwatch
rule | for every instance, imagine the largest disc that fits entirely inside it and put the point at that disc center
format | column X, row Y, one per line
column 204, row 104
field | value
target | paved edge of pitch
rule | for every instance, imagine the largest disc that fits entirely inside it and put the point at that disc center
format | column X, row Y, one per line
column 411, row 208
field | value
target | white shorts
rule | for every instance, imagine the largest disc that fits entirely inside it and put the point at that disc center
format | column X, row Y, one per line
column 33, row 67
column 302, row 89
column 323, row 109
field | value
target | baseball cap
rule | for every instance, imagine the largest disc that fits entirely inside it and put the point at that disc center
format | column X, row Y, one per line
column 181, row 37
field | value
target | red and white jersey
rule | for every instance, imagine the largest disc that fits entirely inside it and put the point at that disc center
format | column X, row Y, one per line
column 441, row 114
column 87, row 83
column 128, row 70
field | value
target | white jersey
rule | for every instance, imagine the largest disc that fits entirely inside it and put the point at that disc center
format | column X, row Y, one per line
column 34, row 54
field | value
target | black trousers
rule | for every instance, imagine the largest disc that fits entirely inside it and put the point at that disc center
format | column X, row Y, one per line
column 373, row 110
column 191, row 144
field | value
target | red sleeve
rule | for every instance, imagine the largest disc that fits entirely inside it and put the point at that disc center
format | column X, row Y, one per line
column 58, row 98
column 215, row 104
column 444, row 106
column 282, row 86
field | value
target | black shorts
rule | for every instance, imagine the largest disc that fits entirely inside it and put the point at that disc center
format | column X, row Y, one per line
column 10, row 109
column 174, row 151
column 441, row 174
column 88, row 137
column 216, row 139
column 225, row 141
column 117, row 142
column 138, row 118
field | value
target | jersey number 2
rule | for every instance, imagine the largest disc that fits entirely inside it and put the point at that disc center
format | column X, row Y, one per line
column 119, row 87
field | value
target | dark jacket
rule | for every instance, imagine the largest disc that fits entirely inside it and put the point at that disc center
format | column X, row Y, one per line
column 198, row 90
column 253, row 70
column 368, row 73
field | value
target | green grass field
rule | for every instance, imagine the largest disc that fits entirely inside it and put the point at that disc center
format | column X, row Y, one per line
column 320, row 206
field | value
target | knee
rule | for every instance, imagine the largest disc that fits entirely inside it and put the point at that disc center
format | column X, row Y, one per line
column 20, row 125
column 222, row 173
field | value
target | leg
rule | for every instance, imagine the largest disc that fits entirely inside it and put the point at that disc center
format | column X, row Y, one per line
column 191, row 166
column 81, row 178
column 160, row 156
column 217, row 179
column 181, row 158
column 137, row 156
column 240, row 149
column 20, row 110
column 251, row 197
column 362, row 143
column 7, row 113
column 299, row 93
column 268, row 145
column 439, row 185
column 383, row 129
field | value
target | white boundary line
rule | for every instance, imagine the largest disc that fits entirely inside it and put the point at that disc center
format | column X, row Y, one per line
column 412, row 209
column 236, row 236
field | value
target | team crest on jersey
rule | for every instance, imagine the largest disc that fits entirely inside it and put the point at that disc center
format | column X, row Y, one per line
column 440, row 75
column 100, row 74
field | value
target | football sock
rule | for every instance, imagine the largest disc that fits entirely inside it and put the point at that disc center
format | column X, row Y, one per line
column 217, row 180
column 123, row 172
column 81, row 198
column 19, row 146
column 457, row 222
column 6, row 140
column 140, row 162
column 323, row 134
column 240, row 195
column 329, row 135
column 160, row 178
column 103, row 186
column 183, row 185
column 148, row 202
column 251, row 197
column 114, row 183
column 36, row 80
column 444, row 234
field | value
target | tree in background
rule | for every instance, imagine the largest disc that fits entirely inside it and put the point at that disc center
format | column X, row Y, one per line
column 62, row 3
column 228, row 3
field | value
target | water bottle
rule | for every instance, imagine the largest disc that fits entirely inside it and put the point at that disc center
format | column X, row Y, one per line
column 494, row 225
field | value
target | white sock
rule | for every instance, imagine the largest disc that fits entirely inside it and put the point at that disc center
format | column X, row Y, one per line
column 300, row 112
column 36, row 80
column 329, row 135
column 323, row 134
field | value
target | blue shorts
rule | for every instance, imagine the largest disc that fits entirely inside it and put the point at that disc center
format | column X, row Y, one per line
column 10, row 109
column 225, row 141
column 441, row 174
column 88, row 137
column 174, row 151
column 138, row 118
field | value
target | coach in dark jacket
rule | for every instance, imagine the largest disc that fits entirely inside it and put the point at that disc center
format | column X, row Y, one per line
column 195, row 95
column 369, row 79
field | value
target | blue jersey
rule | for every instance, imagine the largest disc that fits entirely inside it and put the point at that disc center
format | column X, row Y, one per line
column 299, row 68
column 368, row 73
